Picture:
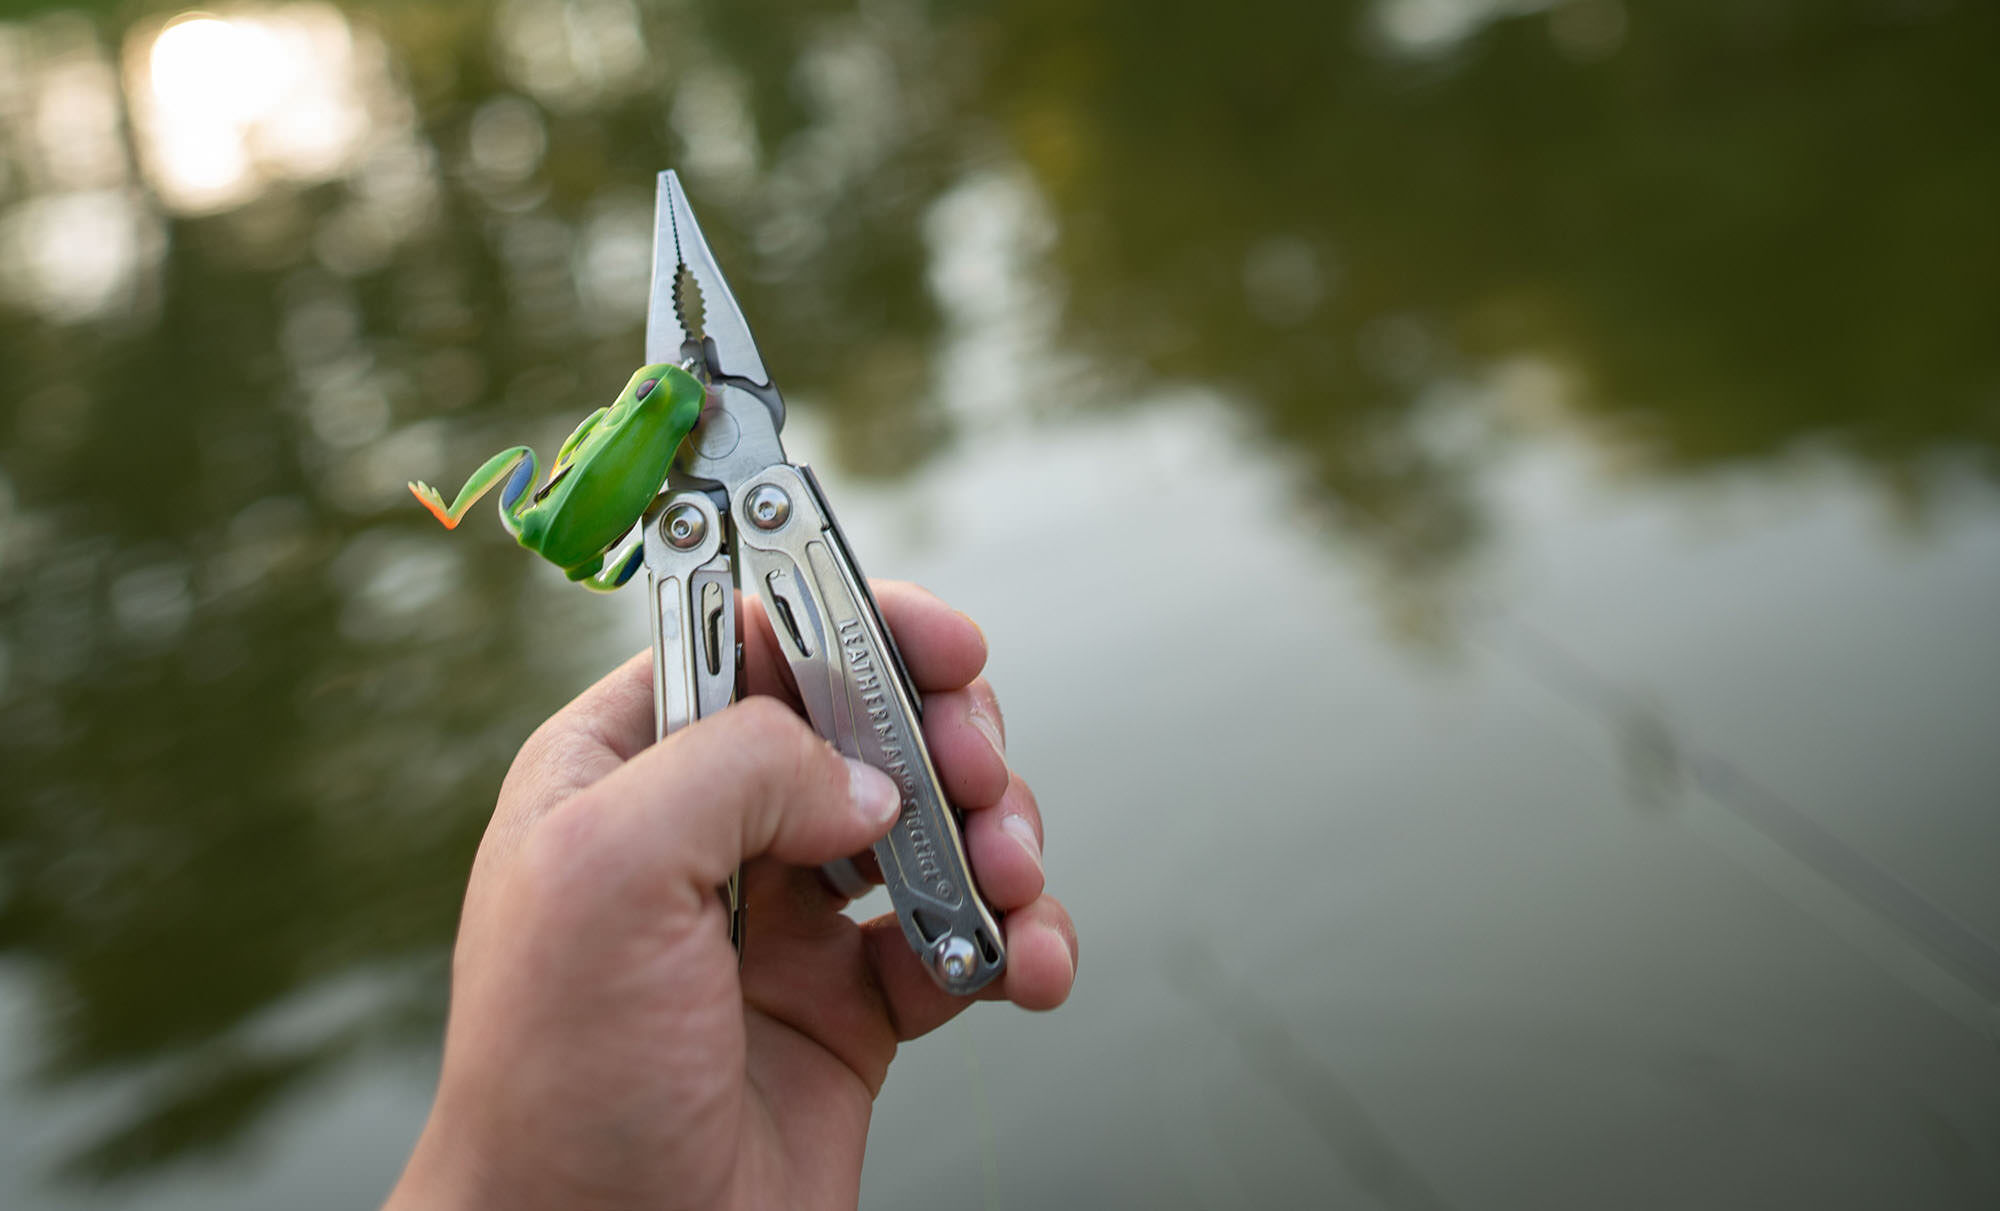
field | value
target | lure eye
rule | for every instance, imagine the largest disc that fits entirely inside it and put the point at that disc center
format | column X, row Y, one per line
column 646, row 388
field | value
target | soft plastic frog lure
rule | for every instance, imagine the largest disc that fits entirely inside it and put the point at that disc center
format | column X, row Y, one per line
column 605, row 476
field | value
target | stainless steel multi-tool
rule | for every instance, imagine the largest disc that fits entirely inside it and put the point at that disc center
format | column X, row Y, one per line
column 736, row 513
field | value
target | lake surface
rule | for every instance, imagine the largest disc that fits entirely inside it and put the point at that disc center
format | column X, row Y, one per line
column 1487, row 515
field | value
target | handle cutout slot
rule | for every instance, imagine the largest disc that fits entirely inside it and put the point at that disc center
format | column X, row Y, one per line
column 781, row 604
column 711, row 626
column 928, row 924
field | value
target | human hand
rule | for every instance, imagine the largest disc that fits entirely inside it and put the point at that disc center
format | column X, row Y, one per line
column 605, row 1048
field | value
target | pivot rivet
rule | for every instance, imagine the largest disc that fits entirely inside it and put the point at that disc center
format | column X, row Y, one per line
column 954, row 958
column 769, row 507
column 683, row 526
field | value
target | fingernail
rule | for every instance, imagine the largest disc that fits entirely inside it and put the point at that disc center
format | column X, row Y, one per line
column 1068, row 957
column 988, row 726
column 874, row 796
column 984, row 647
column 1018, row 828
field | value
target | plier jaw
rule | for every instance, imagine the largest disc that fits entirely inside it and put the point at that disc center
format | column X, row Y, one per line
column 717, row 338
column 693, row 318
column 737, row 513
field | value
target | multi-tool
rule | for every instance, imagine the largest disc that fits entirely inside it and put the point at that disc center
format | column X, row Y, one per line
column 737, row 514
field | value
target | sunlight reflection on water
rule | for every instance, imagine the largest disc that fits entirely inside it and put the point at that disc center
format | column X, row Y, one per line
column 221, row 105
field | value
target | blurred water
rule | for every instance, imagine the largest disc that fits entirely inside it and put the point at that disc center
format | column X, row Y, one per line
column 1486, row 515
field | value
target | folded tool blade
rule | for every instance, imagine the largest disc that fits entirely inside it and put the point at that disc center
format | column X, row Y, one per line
column 719, row 338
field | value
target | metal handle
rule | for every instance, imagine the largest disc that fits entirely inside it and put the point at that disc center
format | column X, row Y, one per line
column 859, row 696
column 695, row 654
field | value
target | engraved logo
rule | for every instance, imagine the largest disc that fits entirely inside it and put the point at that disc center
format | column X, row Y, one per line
column 895, row 762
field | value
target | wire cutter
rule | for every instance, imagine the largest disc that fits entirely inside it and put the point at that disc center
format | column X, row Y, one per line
column 736, row 513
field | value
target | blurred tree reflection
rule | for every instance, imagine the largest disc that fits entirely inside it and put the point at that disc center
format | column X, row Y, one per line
column 1747, row 227
column 252, row 712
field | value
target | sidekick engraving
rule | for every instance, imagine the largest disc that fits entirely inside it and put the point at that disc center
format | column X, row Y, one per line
column 895, row 762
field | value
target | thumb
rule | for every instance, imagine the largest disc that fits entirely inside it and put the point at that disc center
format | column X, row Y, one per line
column 751, row 781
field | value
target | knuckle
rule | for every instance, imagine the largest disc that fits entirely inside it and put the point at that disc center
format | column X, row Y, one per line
column 534, row 751
column 1024, row 798
column 536, row 772
column 989, row 701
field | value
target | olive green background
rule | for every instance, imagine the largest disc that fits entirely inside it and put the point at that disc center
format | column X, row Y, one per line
column 1486, row 515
